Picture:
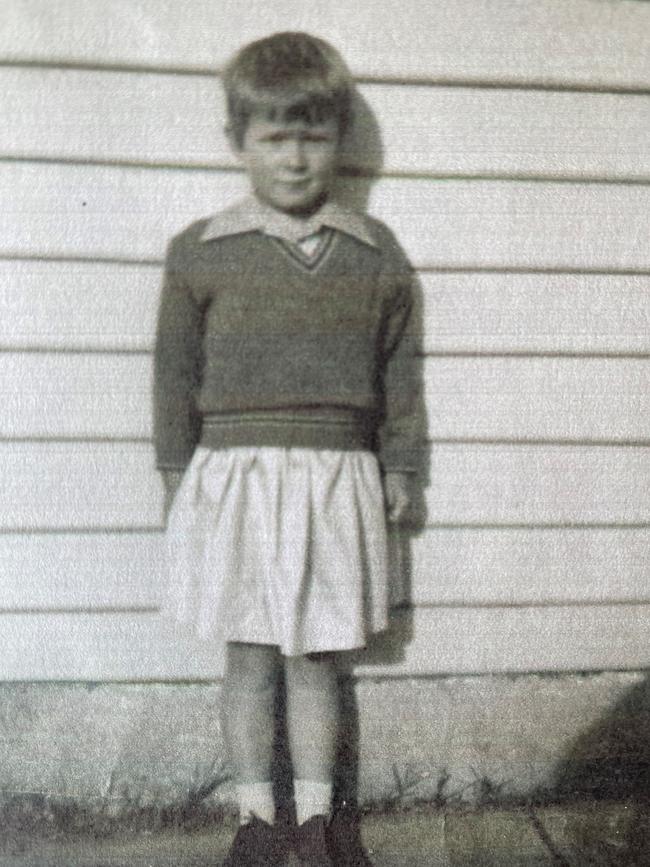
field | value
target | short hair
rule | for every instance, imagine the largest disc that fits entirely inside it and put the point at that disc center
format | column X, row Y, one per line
column 288, row 76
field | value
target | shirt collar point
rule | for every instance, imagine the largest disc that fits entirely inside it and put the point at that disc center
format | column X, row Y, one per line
column 249, row 215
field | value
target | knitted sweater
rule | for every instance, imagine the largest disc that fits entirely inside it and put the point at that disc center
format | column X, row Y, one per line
column 256, row 346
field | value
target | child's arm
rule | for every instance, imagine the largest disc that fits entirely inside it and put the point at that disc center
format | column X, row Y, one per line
column 397, row 490
column 399, row 431
column 172, row 481
column 177, row 371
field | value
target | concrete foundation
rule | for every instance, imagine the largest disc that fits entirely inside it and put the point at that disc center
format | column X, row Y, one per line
column 112, row 749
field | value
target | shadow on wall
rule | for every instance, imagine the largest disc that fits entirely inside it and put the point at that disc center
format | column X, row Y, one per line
column 610, row 762
column 363, row 155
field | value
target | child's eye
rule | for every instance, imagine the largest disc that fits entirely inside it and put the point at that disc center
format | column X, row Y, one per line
column 274, row 138
column 281, row 137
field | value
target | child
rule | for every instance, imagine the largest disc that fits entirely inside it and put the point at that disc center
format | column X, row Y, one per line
column 283, row 400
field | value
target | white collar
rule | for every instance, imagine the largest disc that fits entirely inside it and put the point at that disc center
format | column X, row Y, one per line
column 249, row 215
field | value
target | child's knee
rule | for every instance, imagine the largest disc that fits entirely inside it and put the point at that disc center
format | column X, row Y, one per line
column 311, row 669
column 251, row 667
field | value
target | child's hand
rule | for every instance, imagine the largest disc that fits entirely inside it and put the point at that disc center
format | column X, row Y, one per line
column 171, row 480
column 396, row 491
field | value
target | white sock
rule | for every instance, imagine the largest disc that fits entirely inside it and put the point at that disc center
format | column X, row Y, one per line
column 313, row 798
column 256, row 799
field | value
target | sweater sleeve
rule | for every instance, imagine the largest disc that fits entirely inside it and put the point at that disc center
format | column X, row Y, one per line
column 177, row 368
column 400, row 427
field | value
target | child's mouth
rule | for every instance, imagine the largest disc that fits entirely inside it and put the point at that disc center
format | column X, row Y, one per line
column 296, row 184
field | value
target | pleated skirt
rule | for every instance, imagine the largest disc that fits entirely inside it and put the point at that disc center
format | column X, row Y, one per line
column 279, row 546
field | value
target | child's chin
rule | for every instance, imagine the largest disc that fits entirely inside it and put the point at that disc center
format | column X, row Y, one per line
column 297, row 205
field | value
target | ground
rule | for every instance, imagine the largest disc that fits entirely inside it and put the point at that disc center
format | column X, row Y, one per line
column 570, row 835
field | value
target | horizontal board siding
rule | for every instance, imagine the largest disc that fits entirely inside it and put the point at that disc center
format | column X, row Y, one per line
column 100, row 306
column 536, row 313
column 108, row 212
column 140, row 646
column 82, row 396
column 589, row 399
column 446, row 567
column 543, row 639
column 78, row 485
column 528, row 566
column 542, row 484
column 537, row 399
column 106, row 485
column 104, row 646
column 72, row 305
column 542, row 41
column 536, row 484
column 81, row 572
column 172, row 119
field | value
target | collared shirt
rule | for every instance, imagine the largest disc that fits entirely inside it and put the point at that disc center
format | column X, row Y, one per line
column 249, row 214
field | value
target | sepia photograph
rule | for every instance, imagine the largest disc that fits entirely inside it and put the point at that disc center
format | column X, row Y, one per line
column 325, row 449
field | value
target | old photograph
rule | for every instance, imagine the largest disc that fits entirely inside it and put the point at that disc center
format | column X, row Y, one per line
column 325, row 457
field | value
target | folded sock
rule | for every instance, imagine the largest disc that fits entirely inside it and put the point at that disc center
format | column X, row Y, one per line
column 256, row 800
column 313, row 798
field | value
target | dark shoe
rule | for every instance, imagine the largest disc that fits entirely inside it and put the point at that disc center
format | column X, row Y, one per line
column 344, row 840
column 256, row 844
column 311, row 843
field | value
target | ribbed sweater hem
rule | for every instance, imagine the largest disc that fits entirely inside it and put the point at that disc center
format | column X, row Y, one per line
column 339, row 430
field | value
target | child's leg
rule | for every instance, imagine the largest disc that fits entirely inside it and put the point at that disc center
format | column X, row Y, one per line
column 312, row 717
column 248, row 719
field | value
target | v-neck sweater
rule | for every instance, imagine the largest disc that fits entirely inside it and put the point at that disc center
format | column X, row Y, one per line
column 257, row 346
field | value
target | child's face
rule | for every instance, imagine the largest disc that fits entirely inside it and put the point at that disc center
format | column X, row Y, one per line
column 291, row 164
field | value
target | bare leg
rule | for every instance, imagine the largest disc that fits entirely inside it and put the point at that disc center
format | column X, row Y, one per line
column 312, row 714
column 248, row 720
column 312, row 717
column 249, row 692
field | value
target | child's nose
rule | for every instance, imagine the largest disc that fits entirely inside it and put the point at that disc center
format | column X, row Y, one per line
column 295, row 153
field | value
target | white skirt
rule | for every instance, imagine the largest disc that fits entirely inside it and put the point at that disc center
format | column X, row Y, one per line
column 280, row 546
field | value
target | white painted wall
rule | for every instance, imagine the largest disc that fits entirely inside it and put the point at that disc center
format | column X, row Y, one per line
column 511, row 139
